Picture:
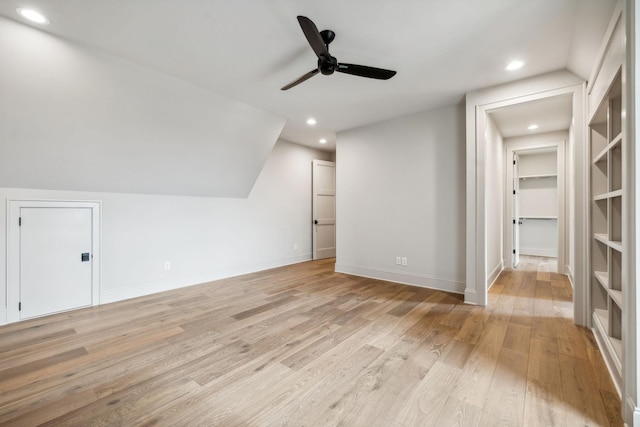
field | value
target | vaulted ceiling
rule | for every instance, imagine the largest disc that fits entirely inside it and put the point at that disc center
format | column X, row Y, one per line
column 246, row 50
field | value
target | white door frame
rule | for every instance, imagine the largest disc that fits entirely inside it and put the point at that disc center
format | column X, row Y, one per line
column 477, row 105
column 512, row 209
column 13, row 247
column 512, row 148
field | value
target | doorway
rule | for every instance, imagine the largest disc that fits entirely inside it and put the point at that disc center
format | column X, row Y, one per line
column 535, row 205
column 324, row 209
column 534, row 138
column 53, row 257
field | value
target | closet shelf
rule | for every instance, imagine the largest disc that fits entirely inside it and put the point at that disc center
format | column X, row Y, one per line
column 603, row 278
column 601, row 323
column 616, row 296
column 613, row 244
column 602, row 154
column 540, row 176
column 609, row 195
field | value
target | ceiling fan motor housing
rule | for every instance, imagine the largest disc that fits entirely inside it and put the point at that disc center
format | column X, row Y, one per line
column 327, row 65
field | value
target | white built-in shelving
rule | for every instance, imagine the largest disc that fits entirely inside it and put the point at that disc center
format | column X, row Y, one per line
column 607, row 242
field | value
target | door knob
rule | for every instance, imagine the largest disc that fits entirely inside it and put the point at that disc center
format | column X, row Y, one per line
column 315, row 221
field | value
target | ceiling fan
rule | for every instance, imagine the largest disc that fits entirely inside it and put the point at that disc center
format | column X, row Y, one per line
column 327, row 64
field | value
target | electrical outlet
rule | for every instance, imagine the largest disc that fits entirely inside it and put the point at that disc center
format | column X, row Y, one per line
column 167, row 266
column 295, row 246
column 398, row 260
column 404, row 260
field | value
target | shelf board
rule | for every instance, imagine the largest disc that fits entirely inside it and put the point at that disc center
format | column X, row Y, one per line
column 601, row 155
column 609, row 195
column 616, row 297
column 602, row 318
column 615, row 141
column 617, row 346
column 602, row 238
column 612, row 346
column 603, row 278
column 539, row 176
column 613, row 244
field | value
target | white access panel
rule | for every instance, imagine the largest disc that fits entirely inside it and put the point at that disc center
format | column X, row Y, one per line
column 53, row 275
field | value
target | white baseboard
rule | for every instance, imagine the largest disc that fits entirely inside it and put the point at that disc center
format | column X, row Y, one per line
column 420, row 280
column 470, row 296
column 3, row 316
column 147, row 288
column 569, row 272
column 491, row 279
column 635, row 410
column 552, row 253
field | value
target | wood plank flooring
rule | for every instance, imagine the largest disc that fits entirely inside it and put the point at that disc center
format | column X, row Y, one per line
column 302, row 345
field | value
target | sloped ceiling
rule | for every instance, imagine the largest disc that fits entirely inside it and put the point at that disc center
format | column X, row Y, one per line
column 246, row 50
column 75, row 118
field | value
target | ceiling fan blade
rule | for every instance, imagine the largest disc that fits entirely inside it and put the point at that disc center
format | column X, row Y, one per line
column 301, row 79
column 364, row 71
column 313, row 36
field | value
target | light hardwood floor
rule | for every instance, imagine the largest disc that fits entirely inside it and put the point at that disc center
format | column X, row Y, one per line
column 301, row 345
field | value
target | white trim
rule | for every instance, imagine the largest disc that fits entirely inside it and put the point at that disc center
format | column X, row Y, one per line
column 632, row 324
column 423, row 281
column 493, row 276
column 13, row 247
column 635, row 410
column 569, row 273
column 600, row 57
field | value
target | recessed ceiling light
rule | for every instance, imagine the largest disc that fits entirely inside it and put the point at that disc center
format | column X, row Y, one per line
column 311, row 121
column 533, row 127
column 514, row 65
column 323, row 141
column 33, row 16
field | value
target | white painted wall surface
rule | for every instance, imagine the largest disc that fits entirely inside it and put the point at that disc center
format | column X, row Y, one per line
column 75, row 118
column 495, row 170
column 204, row 238
column 400, row 193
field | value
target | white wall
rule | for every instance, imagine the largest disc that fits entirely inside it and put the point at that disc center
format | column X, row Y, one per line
column 75, row 118
column 204, row 238
column 495, row 170
column 400, row 192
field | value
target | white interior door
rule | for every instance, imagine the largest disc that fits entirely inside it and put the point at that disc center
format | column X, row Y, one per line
column 55, row 260
column 324, row 209
column 516, row 211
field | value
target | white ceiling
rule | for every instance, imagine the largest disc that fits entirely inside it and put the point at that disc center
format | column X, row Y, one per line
column 550, row 114
column 247, row 50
